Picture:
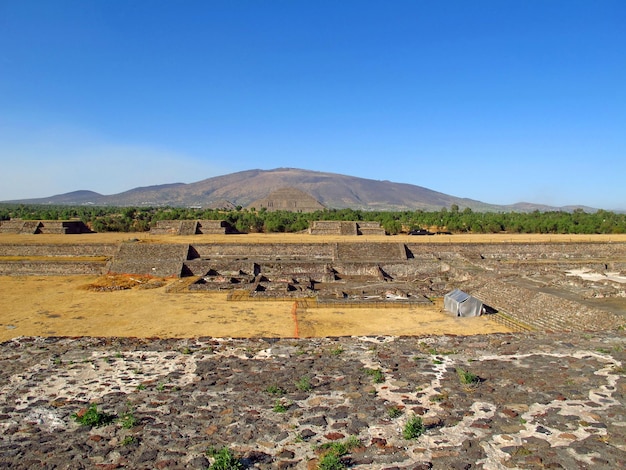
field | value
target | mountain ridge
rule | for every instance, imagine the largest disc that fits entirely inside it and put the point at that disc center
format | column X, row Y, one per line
column 333, row 190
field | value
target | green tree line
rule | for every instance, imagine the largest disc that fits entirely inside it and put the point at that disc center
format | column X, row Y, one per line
column 138, row 219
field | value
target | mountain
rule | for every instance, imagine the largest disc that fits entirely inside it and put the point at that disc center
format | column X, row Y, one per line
column 245, row 187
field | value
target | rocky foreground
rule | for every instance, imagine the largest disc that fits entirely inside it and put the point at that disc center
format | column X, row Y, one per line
column 492, row 402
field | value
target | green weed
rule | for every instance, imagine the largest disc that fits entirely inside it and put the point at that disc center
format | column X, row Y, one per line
column 275, row 390
column 466, row 377
column 413, row 428
column 394, row 412
column 93, row 417
column 128, row 419
column 304, row 384
column 333, row 451
column 279, row 407
column 224, row 459
column 376, row 375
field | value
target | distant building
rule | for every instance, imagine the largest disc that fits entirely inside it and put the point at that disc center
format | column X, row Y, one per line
column 288, row 199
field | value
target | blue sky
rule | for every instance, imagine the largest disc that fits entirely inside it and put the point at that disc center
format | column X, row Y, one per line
column 501, row 101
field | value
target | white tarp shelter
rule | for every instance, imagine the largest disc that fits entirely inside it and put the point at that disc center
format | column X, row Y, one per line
column 461, row 304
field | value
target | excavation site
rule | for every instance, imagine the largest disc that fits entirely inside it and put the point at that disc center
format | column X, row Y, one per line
column 312, row 350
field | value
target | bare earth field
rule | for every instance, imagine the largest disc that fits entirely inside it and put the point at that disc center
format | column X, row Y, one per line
column 60, row 306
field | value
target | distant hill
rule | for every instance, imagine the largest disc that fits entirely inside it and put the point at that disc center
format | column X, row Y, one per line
column 245, row 187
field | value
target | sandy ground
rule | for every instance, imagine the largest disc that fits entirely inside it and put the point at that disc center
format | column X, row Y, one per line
column 61, row 306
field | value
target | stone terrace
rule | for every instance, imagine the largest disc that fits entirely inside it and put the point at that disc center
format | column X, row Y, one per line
column 535, row 286
column 43, row 227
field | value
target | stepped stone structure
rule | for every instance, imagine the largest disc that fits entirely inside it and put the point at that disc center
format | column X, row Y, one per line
column 155, row 259
column 288, row 199
column 342, row 227
column 191, row 227
column 527, row 286
column 43, row 226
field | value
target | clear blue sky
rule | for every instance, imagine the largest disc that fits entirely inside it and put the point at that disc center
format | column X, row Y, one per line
column 501, row 101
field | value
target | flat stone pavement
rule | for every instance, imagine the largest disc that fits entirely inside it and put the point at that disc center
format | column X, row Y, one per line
column 541, row 401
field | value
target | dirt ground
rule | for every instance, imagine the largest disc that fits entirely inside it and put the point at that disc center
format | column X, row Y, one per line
column 116, row 237
column 61, row 306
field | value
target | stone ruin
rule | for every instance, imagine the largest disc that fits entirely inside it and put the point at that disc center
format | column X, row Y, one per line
column 288, row 199
column 529, row 286
column 63, row 227
column 192, row 227
column 341, row 227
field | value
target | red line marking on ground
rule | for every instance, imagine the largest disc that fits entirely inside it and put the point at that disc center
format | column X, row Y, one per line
column 294, row 315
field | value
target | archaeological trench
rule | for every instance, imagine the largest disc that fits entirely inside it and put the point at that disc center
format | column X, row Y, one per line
column 551, row 394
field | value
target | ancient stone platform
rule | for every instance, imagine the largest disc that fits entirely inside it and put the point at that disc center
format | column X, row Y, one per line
column 541, row 401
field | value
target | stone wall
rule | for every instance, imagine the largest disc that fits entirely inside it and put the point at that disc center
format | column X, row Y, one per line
column 333, row 227
column 314, row 251
column 43, row 227
column 190, row 227
column 156, row 259
column 370, row 228
column 545, row 311
column 52, row 268
column 371, row 251
column 166, row 227
column 60, row 250
column 213, row 227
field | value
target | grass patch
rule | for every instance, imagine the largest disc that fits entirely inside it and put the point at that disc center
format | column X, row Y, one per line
column 91, row 416
column 413, row 428
column 224, row 459
column 439, row 397
column 394, row 412
column 376, row 375
column 280, row 407
column 275, row 390
column 304, row 384
column 332, row 452
column 466, row 377
column 128, row 419
column 128, row 440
